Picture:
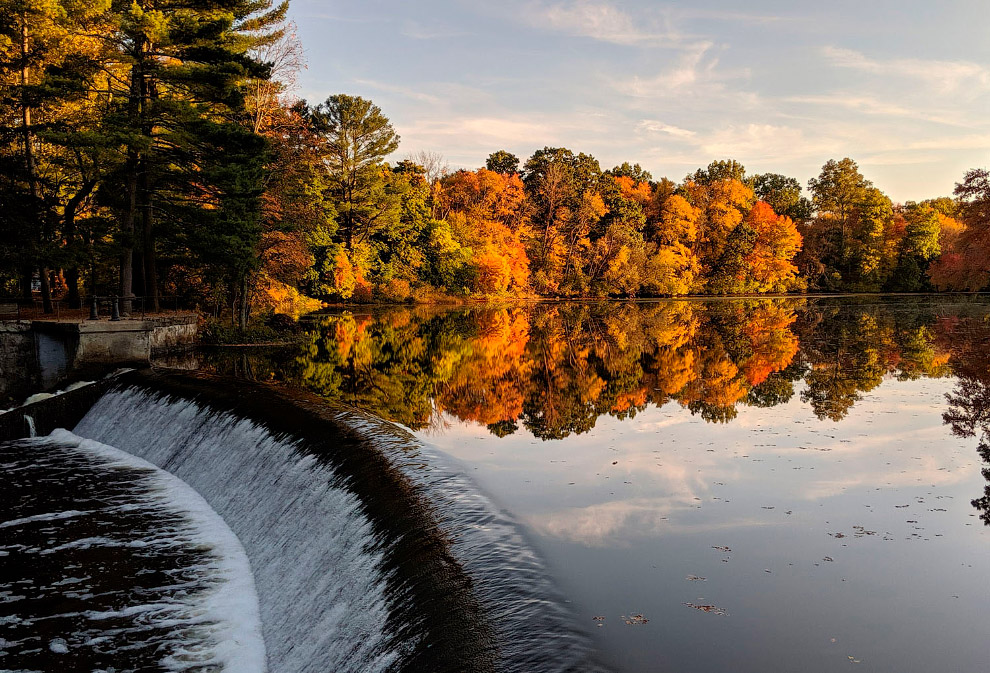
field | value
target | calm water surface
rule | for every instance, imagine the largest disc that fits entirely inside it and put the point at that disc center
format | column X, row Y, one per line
column 779, row 485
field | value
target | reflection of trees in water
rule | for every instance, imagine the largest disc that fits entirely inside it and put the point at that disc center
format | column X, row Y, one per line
column 556, row 368
column 969, row 404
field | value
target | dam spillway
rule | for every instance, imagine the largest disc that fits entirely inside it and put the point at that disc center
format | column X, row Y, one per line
column 369, row 550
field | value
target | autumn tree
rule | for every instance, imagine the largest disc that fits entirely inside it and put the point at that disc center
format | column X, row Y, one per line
column 770, row 262
column 563, row 190
column 490, row 216
column 967, row 265
column 49, row 149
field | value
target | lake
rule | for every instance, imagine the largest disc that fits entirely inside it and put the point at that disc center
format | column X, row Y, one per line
column 727, row 485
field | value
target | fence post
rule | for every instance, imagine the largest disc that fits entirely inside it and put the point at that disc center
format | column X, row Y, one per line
column 94, row 310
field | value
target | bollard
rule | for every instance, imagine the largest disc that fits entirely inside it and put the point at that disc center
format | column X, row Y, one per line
column 94, row 310
column 116, row 308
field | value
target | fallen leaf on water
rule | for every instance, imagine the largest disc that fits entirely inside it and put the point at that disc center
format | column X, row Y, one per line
column 695, row 578
column 711, row 609
column 635, row 620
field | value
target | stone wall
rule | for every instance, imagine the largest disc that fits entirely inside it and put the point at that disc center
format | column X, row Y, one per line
column 173, row 334
column 39, row 355
column 18, row 361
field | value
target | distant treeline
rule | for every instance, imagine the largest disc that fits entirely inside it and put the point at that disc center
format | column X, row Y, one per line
column 150, row 148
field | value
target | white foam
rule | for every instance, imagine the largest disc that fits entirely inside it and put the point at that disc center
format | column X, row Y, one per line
column 52, row 516
column 231, row 606
column 37, row 397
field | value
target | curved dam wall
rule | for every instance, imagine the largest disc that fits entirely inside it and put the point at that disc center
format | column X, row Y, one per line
column 370, row 550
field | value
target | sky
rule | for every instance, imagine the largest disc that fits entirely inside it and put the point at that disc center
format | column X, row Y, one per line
column 901, row 86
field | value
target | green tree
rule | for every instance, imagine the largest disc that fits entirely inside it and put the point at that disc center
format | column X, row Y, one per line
column 783, row 194
column 836, row 192
column 717, row 171
column 502, row 162
column 357, row 139
column 635, row 171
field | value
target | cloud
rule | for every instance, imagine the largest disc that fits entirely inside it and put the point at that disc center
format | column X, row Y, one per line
column 763, row 142
column 942, row 76
column 691, row 69
column 873, row 106
column 405, row 91
column 420, row 31
column 657, row 126
column 605, row 22
column 620, row 523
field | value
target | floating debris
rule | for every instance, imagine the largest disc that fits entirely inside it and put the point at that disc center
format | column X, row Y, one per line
column 695, row 578
column 635, row 620
column 711, row 609
column 722, row 549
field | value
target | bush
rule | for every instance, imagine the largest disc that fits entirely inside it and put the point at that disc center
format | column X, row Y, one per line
column 221, row 332
column 280, row 322
column 396, row 291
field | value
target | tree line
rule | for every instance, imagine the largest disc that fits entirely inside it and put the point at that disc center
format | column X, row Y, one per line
column 151, row 148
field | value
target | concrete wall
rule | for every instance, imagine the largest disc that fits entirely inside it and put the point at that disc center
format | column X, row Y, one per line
column 177, row 334
column 39, row 355
column 18, row 361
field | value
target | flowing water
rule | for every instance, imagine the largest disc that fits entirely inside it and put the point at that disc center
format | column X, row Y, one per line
column 102, row 553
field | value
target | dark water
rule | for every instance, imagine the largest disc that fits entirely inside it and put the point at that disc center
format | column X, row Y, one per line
column 779, row 485
column 108, row 564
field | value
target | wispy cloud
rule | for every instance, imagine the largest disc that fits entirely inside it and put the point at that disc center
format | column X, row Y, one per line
column 419, row 31
column 874, row 106
column 405, row 91
column 603, row 21
column 694, row 66
column 941, row 76
column 657, row 126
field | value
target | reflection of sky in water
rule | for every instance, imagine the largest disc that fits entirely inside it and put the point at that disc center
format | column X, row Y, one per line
column 851, row 539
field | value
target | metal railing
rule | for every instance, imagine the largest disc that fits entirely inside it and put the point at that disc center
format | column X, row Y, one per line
column 93, row 307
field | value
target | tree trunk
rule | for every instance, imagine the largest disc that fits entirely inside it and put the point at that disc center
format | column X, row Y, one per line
column 245, row 307
column 148, row 246
column 137, row 167
column 32, row 169
column 69, row 231
column 127, row 234
column 27, row 276
column 46, row 290
column 72, row 281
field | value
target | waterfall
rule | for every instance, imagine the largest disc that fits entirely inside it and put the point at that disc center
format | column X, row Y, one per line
column 123, row 564
column 371, row 551
column 30, row 426
column 316, row 560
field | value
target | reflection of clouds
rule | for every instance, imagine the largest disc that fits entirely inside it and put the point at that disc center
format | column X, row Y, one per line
column 674, row 461
column 620, row 523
